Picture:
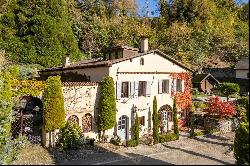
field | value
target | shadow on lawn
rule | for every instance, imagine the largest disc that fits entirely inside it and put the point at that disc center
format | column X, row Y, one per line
column 97, row 155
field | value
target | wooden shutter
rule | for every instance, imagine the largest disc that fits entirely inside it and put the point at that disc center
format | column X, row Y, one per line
column 148, row 90
column 132, row 89
column 175, row 85
column 160, row 86
column 118, row 90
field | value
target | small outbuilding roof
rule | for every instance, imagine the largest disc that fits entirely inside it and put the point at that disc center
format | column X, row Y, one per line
column 200, row 77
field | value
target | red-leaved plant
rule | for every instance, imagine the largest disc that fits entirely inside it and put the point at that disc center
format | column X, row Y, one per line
column 223, row 109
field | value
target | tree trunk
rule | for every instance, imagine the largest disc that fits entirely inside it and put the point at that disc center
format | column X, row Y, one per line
column 103, row 135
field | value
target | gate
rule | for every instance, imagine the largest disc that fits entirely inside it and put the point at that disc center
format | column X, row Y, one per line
column 28, row 121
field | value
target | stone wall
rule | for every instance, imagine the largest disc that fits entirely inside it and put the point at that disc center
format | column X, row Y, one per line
column 80, row 103
column 223, row 125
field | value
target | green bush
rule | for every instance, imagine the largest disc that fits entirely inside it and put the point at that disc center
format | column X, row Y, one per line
column 131, row 143
column 54, row 113
column 168, row 137
column 69, row 136
column 107, row 106
column 241, row 144
column 228, row 89
column 155, row 122
column 198, row 133
column 5, row 109
column 176, row 128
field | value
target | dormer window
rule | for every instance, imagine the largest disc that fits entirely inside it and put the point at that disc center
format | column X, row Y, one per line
column 142, row 61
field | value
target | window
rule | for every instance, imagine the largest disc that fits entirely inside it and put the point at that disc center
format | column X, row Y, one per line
column 247, row 75
column 131, row 60
column 142, row 61
column 142, row 88
column 179, row 85
column 165, row 86
column 87, row 123
column 74, row 119
column 142, row 120
column 125, row 88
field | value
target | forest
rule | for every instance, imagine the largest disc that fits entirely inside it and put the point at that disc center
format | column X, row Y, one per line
column 198, row 33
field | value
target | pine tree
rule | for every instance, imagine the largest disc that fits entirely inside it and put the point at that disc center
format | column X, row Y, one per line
column 107, row 106
column 192, row 123
column 176, row 129
column 155, row 122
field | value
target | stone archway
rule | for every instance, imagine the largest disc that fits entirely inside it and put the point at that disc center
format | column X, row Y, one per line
column 165, row 118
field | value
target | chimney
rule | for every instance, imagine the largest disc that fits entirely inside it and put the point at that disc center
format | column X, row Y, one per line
column 65, row 61
column 144, row 44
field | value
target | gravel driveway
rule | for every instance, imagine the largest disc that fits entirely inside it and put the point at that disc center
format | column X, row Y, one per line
column 203, row 150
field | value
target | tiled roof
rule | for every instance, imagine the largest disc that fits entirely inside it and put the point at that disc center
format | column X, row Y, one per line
column 92, row 63
column 199, row 77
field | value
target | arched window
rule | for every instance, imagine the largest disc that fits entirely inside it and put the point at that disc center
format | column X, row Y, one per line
column 73, row 119
column 142, row 61
column 87, row 123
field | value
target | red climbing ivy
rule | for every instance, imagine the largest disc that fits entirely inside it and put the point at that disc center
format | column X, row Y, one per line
column 183, row 99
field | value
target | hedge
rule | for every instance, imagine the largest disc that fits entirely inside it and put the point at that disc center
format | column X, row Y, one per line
column 168, row 137
column 131, row 143
column 155, row 122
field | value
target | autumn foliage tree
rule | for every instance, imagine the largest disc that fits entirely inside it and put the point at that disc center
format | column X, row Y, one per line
column 217, row 107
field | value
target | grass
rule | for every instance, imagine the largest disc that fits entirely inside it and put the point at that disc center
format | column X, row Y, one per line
column 33, row 155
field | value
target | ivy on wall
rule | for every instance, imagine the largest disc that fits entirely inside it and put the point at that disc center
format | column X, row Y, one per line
column 183, row 99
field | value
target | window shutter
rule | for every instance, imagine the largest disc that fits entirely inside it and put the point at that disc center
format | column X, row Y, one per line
column 136, row 88
column 132, row 88
column 148, row 90
column 160, row 86
column 118, row 90
column 182, row 85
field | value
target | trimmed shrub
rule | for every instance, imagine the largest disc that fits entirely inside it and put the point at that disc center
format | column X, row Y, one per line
column 175, row 119
column 131, row 143
column 69, row 136
column 54, row 113
column 241, row 144
column 155, row 122
column 107, row 106
column 168, row 137
column 198, row 133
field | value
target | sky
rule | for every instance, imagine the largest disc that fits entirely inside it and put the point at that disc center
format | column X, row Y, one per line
column 153, row 6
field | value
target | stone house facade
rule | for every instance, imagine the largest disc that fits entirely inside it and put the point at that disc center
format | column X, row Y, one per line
column 138, row 74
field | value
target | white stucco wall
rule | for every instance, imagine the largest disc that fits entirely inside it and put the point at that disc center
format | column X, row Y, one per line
column 242, row 74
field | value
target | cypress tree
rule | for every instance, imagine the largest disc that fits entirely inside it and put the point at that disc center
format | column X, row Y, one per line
column 175, row 119
column 136, row 129
column 155, row 122
column 107, row 106
column 192, row 123
column 54, row 113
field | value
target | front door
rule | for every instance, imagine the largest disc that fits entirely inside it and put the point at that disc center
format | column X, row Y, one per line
column 122, row 127
column 165, row 121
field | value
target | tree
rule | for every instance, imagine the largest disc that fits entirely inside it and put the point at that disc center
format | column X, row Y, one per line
column 54, row 113
column 38, row 32
column 136, row 129
column 241, row 144
column 155, row 122
column 5, row 112
column 175, row 119
column 107, row 106
column 218, row 107
column 228, row 89
column 192, row 122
